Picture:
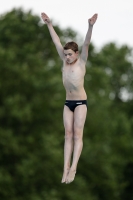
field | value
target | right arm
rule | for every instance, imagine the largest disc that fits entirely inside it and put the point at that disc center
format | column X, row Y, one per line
column 54, row 35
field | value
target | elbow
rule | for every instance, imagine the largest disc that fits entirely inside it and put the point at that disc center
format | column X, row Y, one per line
column 86, row 44
column 56, row 41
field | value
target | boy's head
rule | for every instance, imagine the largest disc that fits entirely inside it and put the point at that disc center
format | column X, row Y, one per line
column 71, row 45
column 71, row 52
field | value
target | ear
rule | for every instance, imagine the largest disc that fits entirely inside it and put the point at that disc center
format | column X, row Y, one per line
column 77, row 52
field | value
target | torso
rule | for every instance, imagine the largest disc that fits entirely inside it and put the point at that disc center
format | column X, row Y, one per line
column 73, row 80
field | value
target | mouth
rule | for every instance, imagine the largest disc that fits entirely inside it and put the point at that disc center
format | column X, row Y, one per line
column 68, row 60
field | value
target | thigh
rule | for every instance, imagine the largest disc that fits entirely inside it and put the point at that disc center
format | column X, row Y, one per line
column 68, row 119
column 80, row 116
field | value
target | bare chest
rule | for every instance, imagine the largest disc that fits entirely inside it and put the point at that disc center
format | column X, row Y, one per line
column 72, row 75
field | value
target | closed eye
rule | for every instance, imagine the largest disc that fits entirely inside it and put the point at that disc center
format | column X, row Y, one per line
column 68, row 54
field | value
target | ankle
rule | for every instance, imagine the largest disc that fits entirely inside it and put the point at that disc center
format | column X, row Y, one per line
column 66, row 169
column 73, row 169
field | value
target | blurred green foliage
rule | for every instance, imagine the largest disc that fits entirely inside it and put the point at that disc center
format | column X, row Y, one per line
column 31, row 127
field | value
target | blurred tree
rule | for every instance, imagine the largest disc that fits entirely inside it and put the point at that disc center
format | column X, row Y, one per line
column 109, row 127
column 30, row 108
column 31, row 128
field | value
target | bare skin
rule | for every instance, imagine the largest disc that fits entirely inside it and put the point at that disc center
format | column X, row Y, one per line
column 73, row 73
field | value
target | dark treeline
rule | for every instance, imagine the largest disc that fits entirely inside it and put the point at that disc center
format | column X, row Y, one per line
column 31, row 127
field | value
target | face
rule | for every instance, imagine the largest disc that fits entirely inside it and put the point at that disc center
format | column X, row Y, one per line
column 70, row 56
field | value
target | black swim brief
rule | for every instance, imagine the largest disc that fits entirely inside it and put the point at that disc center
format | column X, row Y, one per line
column 72, row 104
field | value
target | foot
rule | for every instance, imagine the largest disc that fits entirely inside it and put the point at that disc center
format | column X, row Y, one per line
column 71, row 176
column 64, row 176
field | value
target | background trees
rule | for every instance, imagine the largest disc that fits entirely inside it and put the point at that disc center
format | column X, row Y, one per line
column 31, row 128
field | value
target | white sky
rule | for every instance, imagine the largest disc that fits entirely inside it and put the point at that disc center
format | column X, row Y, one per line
column 114, row 24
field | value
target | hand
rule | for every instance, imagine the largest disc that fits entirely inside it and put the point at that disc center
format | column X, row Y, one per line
column 45, row 18
column 93, row 19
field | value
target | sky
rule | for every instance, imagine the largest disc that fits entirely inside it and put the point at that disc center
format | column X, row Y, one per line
column 114, row 23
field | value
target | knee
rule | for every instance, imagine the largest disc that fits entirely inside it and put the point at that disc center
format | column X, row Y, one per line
column 77, row 137
column 68, row 134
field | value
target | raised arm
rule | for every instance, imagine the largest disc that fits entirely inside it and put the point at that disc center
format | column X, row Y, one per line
column 84, row 52
column 54, row 35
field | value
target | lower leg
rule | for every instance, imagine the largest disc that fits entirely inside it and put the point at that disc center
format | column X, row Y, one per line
column 68, row 148
column 78, row 144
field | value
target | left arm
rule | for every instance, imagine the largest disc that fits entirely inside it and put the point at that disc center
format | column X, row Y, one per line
column 84, row 52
